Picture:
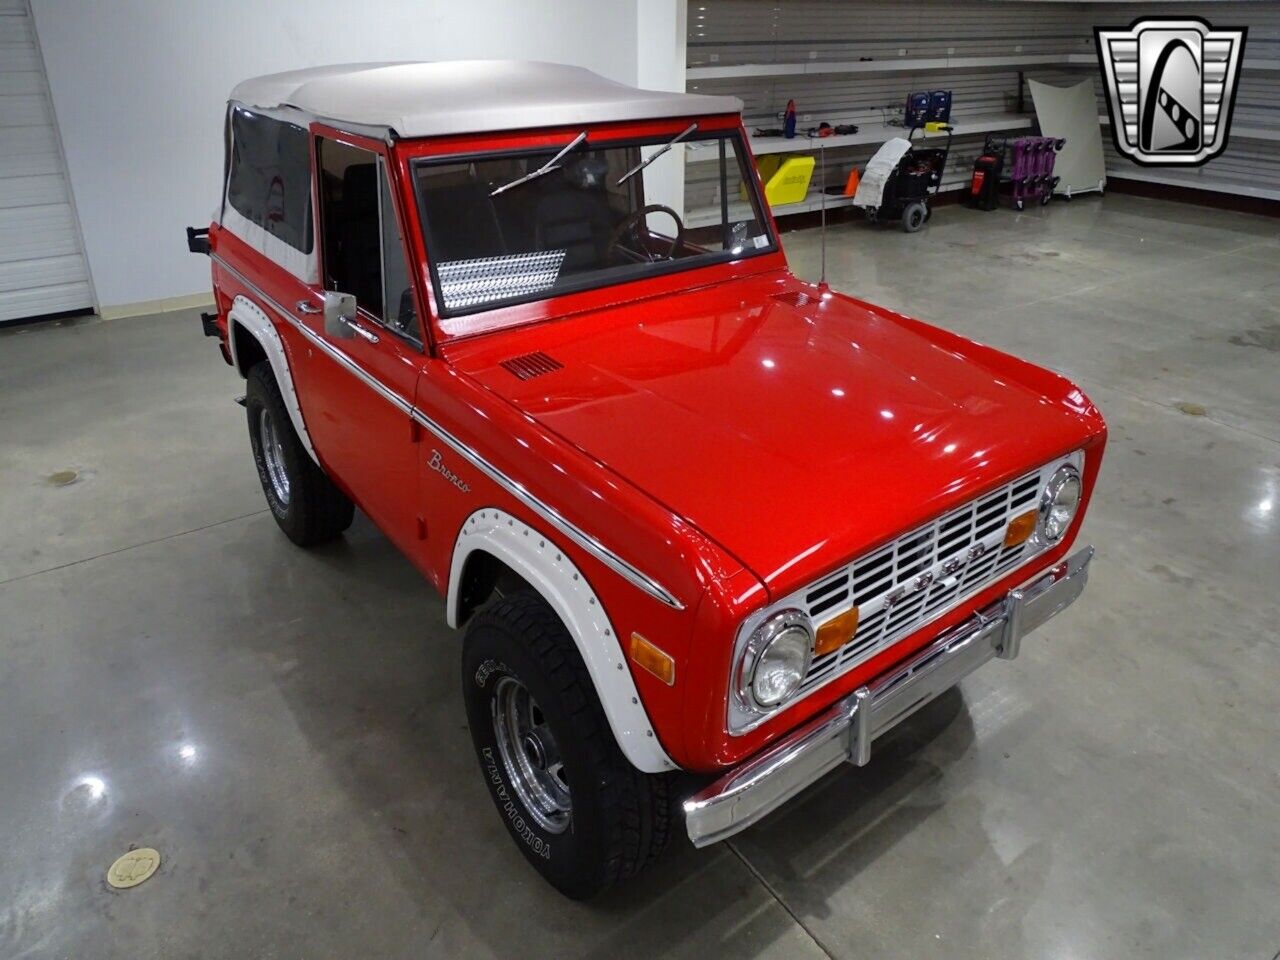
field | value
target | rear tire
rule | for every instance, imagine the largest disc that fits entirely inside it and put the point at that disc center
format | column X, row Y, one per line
column 581, row 814
column 305, row 503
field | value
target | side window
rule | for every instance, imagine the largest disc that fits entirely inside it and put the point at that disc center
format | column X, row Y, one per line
column 269, row 176
column 363, row 254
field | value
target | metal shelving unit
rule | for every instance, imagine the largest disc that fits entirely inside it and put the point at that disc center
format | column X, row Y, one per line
column 870, row 133
column 916, row 65
column 894, row 65
column 842, row 62
column 709, row 216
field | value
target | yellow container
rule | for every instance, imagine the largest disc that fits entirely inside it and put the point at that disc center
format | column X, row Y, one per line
column 790, row 182
column 768, row 166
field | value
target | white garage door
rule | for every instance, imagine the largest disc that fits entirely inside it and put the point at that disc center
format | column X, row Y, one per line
column 42, row 268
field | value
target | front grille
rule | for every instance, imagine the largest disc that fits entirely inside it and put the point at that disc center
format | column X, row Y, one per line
column 921, row 575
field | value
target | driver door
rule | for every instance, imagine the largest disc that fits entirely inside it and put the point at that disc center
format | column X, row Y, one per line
column 363, row 382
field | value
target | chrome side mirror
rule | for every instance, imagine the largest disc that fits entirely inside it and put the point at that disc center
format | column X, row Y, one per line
column 338, row 309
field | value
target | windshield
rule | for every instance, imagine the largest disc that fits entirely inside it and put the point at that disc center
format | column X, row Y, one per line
column 514, row 227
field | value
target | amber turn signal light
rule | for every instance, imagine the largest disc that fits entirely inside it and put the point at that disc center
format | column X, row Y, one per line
column 656, row 661
column 836, row 632
column 1020, row 528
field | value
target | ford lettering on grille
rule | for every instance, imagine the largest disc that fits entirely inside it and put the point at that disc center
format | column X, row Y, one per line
column 921, row 575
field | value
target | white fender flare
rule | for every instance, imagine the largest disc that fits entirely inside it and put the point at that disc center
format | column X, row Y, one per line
column 258, row 325
column 545, row 567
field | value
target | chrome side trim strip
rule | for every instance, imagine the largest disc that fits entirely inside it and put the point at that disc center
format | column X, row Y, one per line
column 586, row 541
column 579, row 536
column 320, row 342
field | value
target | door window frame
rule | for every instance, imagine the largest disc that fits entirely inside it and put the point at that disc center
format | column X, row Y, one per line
column 385, row 167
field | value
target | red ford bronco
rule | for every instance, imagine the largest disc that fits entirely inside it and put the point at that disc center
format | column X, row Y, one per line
column 705, row 524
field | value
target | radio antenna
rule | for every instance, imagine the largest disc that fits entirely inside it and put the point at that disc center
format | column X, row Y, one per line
column 822, row 201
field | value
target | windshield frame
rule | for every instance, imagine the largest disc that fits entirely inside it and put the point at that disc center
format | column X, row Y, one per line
column 659, row 278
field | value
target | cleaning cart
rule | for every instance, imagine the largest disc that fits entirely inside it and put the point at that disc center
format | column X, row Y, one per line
column 902, row 179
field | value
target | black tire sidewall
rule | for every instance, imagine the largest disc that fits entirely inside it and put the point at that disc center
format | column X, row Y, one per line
column 258, row 395
column 572, row 861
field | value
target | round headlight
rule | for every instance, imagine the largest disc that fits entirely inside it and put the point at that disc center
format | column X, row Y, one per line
column 778, row 658
column 1059, row 502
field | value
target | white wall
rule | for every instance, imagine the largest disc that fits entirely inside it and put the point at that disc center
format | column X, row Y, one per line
column 140, row 88
column 660, row 45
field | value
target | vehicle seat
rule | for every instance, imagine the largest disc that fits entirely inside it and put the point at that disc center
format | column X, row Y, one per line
column 463, row 222
column 359, row 238
column 576, row 221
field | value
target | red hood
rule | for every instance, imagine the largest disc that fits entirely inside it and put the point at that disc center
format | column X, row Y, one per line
column 796, row 435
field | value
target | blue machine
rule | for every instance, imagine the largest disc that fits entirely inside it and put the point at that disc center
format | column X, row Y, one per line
column 933, row 106
column 940, row 106
column 917, row 110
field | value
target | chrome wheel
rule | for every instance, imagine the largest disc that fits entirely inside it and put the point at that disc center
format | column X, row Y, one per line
column 273, row 455
column 530, row 755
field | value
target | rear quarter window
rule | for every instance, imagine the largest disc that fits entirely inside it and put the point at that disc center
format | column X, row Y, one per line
column 269, row 176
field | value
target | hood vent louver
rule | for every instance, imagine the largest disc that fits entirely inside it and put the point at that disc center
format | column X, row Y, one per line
column 795, row 298
column 530, row 365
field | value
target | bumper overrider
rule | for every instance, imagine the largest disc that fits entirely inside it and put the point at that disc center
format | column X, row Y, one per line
column 845, row 732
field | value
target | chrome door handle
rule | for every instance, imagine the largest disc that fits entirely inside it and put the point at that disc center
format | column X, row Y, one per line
column 359, row 330
column 306, row 306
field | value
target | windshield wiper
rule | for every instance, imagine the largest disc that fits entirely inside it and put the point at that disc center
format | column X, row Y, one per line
column 548, row 167
column 644, row 163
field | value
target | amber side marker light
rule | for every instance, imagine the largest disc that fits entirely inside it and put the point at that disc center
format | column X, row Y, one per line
column 836, row 632
column 1020, row 528
column 656, row 661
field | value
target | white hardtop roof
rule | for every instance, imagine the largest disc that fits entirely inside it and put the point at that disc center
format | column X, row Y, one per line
column 468, row 96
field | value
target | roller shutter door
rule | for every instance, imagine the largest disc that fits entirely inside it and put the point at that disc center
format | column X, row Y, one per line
column 42, row 266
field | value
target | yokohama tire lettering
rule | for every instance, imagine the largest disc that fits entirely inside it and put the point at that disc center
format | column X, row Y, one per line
column 522, row 829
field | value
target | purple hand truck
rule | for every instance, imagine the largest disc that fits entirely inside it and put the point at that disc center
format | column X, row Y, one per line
column 1032, row 174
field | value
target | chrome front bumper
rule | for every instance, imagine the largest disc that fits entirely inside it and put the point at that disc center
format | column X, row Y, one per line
column 845, row 731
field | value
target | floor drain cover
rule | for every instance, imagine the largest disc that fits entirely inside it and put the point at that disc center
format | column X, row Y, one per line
column 134, row 867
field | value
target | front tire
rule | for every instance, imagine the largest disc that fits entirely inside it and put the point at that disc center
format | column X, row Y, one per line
column 580, row 813
column 305, row 503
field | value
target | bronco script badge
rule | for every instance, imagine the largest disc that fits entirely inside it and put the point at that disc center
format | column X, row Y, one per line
column 1171, row 87
column 437, row 464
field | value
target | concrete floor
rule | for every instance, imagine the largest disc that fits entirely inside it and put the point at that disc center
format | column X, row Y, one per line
column 286, row 727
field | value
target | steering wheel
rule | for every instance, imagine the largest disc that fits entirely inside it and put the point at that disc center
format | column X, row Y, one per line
column 630, row 225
